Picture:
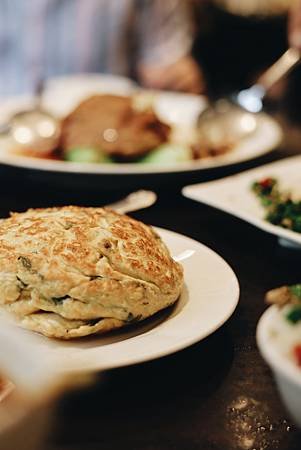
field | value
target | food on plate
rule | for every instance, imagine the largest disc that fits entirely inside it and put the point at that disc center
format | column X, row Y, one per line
column 108, row 128
column 285, row 295
column 206, row 149
column 86, row 155
column 280, row 207
column 72, row 271
column 111, row 125
column 288, row 299
column 167, row 154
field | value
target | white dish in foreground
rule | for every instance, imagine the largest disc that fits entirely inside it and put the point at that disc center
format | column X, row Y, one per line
column 209, row 298
column 233, row 194
column 177, row 109
column 286, row 372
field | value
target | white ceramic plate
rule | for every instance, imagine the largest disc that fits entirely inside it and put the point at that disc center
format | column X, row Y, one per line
column 233, row 194
column 180, row 110
column 209, row 298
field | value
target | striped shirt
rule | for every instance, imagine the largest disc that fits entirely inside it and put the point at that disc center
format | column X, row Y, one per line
column 44, row 38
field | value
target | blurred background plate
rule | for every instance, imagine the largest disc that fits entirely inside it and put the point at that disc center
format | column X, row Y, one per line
column 180, row 110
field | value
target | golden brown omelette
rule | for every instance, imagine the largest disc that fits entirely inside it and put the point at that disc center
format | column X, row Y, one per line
column 72, row 271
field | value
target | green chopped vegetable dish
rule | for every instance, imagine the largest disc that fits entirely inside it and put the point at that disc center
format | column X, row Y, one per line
column 280, row 208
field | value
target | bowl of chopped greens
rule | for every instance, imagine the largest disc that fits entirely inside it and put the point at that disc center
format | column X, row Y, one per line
column 279, row 341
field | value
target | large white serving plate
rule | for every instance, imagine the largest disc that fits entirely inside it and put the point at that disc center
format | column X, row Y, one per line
column 233, row 194
column 177, row 109
column 209, row 298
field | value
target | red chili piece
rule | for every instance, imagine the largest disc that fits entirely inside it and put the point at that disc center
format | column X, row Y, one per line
column 297, row 353
column 267, row 182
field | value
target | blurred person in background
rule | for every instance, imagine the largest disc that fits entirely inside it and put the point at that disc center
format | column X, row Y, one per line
column 149, row 40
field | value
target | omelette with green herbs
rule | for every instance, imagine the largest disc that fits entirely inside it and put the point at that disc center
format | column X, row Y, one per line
column 71, row 271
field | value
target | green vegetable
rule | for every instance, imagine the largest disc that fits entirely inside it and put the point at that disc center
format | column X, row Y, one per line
column 86, row 155
column 296, row 290
column 26, row 263
column 93, row 322
column 58, row 300
column 294, row 315
column 132, row 319
column 22, row 284
column 280, row 209
column 167, row 154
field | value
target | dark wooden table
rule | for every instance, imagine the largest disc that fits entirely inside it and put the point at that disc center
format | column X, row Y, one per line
column 215, row 395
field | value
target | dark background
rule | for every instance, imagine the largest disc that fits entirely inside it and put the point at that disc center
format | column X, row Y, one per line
column 233, row 50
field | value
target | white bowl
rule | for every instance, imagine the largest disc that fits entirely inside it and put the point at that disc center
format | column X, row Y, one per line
column 287, row 374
